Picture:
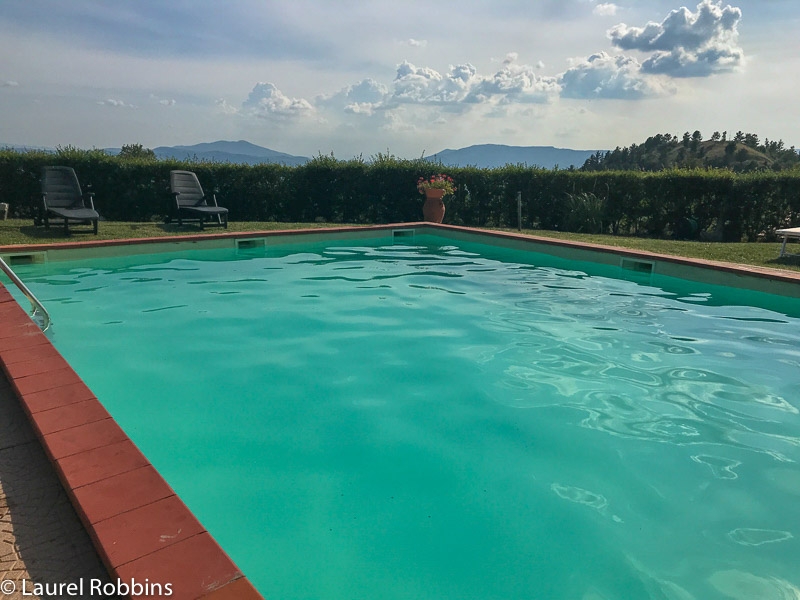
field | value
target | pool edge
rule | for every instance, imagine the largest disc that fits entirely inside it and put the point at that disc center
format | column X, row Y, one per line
column 696, row 269
column 139, row 526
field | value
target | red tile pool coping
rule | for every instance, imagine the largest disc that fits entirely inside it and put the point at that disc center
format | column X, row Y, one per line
column 139, row 526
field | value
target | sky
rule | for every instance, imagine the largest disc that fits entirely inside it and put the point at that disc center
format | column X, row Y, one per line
column 411, row 77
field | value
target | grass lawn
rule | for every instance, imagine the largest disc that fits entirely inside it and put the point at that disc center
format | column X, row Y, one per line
column 762, row 254
column 22, row 231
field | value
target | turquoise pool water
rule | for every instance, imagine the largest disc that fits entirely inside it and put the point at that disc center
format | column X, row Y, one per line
column 430, row 421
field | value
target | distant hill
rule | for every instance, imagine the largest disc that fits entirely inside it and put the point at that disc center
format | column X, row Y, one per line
column 743, row 153
column 234, row 152
column 23, row 148
column 489, row 156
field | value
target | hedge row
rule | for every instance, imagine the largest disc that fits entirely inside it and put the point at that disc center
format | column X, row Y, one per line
column 730, row 206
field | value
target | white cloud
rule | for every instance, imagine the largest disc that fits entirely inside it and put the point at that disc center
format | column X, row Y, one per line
column 515, row 83
column 360, row 108
column 539, row 64
column 463, row 85
column 362, row 98
column 610, row 77
column 607, row 9
column 266, row 100
column 416, row 43
column 115, row 103
column 165, row 102
column 423, row 85
column 9, row 83
column 687, row 44
column 226, row 108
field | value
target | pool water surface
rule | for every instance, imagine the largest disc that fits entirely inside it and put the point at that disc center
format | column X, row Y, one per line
column 438, row 421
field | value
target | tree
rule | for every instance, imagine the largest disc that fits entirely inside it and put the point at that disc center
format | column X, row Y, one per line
column 715, row 137
column 751, row 139
column 687, row 139
column 697, row 137
column 136, row 151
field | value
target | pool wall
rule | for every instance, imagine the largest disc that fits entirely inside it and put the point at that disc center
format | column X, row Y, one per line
column 140, row 527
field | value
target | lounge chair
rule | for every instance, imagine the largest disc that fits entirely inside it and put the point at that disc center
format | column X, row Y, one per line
column 191, row 201
column 792, row 232
column 62, row 198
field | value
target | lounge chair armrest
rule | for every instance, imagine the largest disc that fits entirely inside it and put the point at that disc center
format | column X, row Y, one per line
column 44, row 199
column 90, row 198
column 214, row 196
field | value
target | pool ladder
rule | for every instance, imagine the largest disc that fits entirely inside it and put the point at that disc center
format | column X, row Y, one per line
column 39, row 314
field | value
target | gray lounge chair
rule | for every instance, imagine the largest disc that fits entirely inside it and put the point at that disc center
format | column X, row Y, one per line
column 192, row 202
column 62, row 198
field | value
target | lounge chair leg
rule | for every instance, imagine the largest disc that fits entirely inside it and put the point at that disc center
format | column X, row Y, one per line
column 180, row 221
column 66, row 226
column 95, row 226
column 783, row 247
column 226, row 221
column 46, row 222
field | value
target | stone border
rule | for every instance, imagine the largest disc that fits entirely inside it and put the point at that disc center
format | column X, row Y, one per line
column 139, row 526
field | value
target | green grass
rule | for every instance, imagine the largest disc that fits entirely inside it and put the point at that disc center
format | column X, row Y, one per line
column 21, row 231
column 761, row 254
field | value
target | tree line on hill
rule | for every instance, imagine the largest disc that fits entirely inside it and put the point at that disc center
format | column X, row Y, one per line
column 743, row 152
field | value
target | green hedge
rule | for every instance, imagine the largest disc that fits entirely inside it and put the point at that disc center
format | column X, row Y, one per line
column 723, row 204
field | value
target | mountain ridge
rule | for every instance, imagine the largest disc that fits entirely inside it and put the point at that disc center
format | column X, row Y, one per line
column 479, row 155
column 489, row 156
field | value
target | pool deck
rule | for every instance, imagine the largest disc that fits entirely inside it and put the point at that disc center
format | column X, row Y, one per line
column 139, row 527
column 41, row 538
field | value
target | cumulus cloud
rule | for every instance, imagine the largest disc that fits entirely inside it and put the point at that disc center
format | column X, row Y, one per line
column 607, row 9
column 610, row 77
column 463, row 85
column 266, row 100
column 416, row 43
column 515, row 84
column 362, row 98
column 226, row 108
column 165, row 102
column 9, row 83
column 686, row 43
column 115, row 103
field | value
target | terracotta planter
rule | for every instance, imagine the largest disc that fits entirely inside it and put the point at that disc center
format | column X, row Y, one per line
column 433, row 209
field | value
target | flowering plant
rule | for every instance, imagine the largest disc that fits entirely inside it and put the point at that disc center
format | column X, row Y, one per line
column 436, row 182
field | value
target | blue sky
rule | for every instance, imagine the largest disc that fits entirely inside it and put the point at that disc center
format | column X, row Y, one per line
column 411, row 77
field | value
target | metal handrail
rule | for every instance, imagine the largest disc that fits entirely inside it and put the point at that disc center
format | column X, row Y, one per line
column 39, row 315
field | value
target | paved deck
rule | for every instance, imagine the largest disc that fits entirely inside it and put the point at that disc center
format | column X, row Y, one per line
column 41, row 538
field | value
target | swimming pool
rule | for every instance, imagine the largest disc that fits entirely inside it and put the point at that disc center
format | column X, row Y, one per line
column 440, row 419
